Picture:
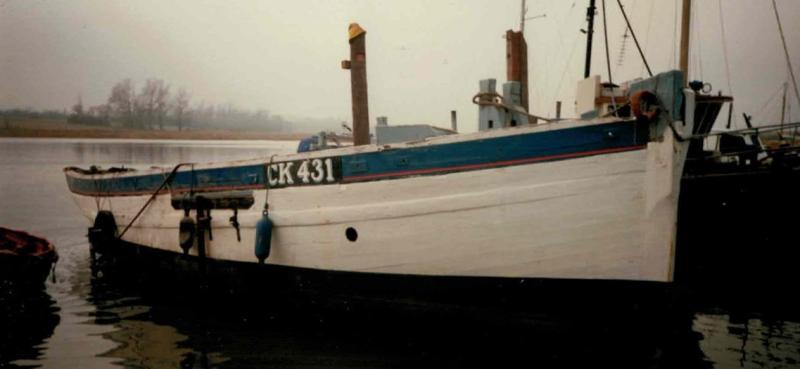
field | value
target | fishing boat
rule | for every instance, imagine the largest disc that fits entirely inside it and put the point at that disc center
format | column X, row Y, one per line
column 525, row 198
column 25, row 259
column 740, row 184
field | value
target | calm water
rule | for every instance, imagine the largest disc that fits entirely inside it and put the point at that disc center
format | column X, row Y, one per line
column 83, row 320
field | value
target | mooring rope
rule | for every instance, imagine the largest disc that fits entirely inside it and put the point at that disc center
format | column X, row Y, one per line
column 489, row 99
column 152, row 197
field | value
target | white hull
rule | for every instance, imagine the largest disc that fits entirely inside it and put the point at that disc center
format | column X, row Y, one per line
column 608, row 216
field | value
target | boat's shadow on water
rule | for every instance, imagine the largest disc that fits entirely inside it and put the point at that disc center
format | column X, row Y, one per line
column 28, row 316
column 209, row 328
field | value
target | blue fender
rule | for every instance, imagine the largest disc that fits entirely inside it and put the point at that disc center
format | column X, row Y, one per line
column 263, row 237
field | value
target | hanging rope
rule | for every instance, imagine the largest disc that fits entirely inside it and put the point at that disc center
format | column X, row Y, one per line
column 622, row 8
column 786, row 51
column 725, row 48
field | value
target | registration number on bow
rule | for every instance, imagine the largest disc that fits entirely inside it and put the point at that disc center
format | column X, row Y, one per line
column 304, row 172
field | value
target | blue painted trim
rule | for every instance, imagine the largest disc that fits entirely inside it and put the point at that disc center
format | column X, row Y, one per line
column 561, row 144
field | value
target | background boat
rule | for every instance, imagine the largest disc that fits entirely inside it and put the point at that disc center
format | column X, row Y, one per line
column 25, row 259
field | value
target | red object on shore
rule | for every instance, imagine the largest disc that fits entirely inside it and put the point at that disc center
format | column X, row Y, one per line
column 25, row 259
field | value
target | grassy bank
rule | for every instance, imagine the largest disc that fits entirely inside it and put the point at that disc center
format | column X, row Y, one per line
column 45, row 128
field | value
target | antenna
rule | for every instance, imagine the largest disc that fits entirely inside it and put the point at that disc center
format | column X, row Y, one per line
column 522, row 16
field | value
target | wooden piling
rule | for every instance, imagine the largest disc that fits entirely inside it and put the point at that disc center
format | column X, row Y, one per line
column 358, row 83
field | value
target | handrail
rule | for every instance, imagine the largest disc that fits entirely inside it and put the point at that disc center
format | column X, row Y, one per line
column 753, row 130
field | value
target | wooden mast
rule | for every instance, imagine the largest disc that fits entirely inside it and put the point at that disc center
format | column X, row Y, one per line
column 358, row 83
column 686, row 14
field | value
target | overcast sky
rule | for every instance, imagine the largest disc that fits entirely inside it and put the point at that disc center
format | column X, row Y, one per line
column 424, row 58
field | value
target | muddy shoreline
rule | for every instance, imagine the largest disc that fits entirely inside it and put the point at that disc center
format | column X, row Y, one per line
column 59, row 129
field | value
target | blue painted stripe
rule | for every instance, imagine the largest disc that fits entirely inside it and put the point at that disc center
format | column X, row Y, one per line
column 560, row 144
column 227, row 178
column 586, row 139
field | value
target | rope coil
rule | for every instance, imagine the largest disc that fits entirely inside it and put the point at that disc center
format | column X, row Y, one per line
column 497, row 100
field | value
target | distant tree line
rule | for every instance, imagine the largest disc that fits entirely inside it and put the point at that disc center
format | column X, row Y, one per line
column 33, row 114
column 154, row 106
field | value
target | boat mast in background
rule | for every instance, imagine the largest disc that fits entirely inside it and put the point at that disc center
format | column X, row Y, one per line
column 589, row 32
column 517, row 56
column 786, row 52
column 686, row 14
column 783, row 107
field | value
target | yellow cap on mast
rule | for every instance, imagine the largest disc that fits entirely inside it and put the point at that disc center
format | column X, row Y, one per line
column 354, row 30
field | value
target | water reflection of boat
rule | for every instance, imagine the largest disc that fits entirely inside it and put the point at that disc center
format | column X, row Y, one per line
column 25, row 259
column 27, row 318
column 200, row 331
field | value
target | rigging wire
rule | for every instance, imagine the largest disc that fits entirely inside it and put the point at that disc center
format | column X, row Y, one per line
column 674, row 34
column 554, row 91
column 725, row 48
column 731, row 107
column 624, row 44
column 622, row 47
column 564, row 71
column 647, row 32
column 698, row 55
column 769, row 101
column 605, row 38
column 786, row 51
column 622, row 8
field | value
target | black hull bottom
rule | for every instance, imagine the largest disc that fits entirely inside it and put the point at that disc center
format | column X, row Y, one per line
column 24, row 271
column 739, row 228
column 737, row 237
column 441, row 321
column 171, row 272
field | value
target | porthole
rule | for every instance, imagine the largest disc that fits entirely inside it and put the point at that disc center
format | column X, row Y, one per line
column 351, row 234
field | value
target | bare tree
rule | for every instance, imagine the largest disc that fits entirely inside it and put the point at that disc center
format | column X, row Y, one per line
column 161, row 103
column 146, row 103
column 77, row 109
column 181, row 106
column 122, row 101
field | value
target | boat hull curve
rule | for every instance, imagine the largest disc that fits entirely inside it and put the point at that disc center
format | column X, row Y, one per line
column 604, row 209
